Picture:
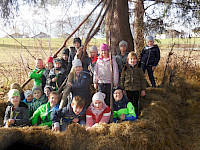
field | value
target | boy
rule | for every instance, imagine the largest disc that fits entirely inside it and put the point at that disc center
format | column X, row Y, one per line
column 121, row 57
column 56, row 75
column 73, row 51
column 17, row 114
column 45, row 75
column 64, row 59
column 38, row 99
column 28, row 97
column 93, row 57
column 73, row 113
column 123, row 109
column 150, row 57
column 45, row 110
column 37, row 76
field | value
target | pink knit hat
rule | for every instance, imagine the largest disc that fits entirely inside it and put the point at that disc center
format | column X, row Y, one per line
column 104, row 47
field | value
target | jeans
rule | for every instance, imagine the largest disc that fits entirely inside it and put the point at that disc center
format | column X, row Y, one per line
column 150, row 74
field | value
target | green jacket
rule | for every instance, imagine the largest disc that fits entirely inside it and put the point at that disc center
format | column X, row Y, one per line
column 124, row 107
column 36, row 76
column 44, row 113
column 132, row 78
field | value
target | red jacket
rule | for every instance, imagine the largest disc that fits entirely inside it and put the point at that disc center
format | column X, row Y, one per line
column 91, row 118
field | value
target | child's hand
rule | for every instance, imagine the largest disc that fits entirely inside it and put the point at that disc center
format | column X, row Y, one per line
column 54, row 79
column 95, row 86
column 143, row 93
column 122, row 116
column 153, row 68
column 35, row 124
column 56, row 129
column 70, row 84
column 75, row 120
column 10, row 121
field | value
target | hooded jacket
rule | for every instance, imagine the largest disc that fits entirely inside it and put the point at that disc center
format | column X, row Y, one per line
column 150, row 56
column 36, row 76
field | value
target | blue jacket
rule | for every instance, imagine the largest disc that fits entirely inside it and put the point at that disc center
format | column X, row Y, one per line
column 66, row 114
column 150, row 56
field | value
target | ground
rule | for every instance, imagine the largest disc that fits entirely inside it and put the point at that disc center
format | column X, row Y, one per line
column 169, row 114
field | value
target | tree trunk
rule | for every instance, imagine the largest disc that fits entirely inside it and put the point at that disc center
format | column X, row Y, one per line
column 120, row 26
column 138, row 26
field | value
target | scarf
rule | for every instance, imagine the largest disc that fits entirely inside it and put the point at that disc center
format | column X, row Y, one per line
column 95, row 111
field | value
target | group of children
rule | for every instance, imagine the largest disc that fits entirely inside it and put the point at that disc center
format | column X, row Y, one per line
column 45, row 106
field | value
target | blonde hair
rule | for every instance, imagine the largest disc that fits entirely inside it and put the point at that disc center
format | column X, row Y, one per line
column 54, row 93
column 132, row 54
column 78, row 101
column 16, row 86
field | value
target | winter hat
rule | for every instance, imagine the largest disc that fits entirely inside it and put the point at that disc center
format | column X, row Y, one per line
column 117, row 88
column 50, row 59
column 37, row 87
column 27, row 93
column 99, row 96
column 123, row 42
column 77, row 40
column 104, row 47
column 76, row 63
column 94, row 47
column 48, row 87
column 13, row 92
column 56, row 60
column 148, row 38
column 65, row 51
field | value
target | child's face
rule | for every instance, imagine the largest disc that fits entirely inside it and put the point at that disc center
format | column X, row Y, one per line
column 78, row 69
column 76, row 109
column 93, row 53
column 132, row 61
column 15, row 100
column 118, row 95
column 53, row 100
column 65, row 57
column 39, row 64
column 98, row 105
column 123, row 48
column 47, row 92
column 37, row 94
column 104, row 54
column 150, row 43
column 30, row 98
column 77, row 45
column 49, row 65
column 57, row 64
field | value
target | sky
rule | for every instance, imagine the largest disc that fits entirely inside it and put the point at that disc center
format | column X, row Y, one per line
column 32, row 20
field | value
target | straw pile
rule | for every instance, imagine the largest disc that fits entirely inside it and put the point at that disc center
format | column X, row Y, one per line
column 158, row 127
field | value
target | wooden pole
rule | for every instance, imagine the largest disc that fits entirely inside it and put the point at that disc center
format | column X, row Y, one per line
column 64, row 44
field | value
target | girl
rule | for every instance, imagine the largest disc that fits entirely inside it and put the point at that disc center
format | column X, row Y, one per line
column 77, row 83
column 102, row 73
column 45, row 110
column 98, row 111
column 93, row 57
column 133, row 81
column 17, row 114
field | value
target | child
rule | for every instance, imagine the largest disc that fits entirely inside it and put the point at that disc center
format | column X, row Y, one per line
column 56, row 75
column 47, row 90
column 98, row 111
column 18, row 87
column 78, row 81
column 38, row 99
column 133, row 81
column 45, row 110
column 150, row 57
column 121, row 58
column 93, row 57
column 37, row 76
column 17, row 114
column 73, row 51
column 102, row 73
column 123, row 109
column 73, row 113
column 28, row 97
column 45, row 75
column 64, row 59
